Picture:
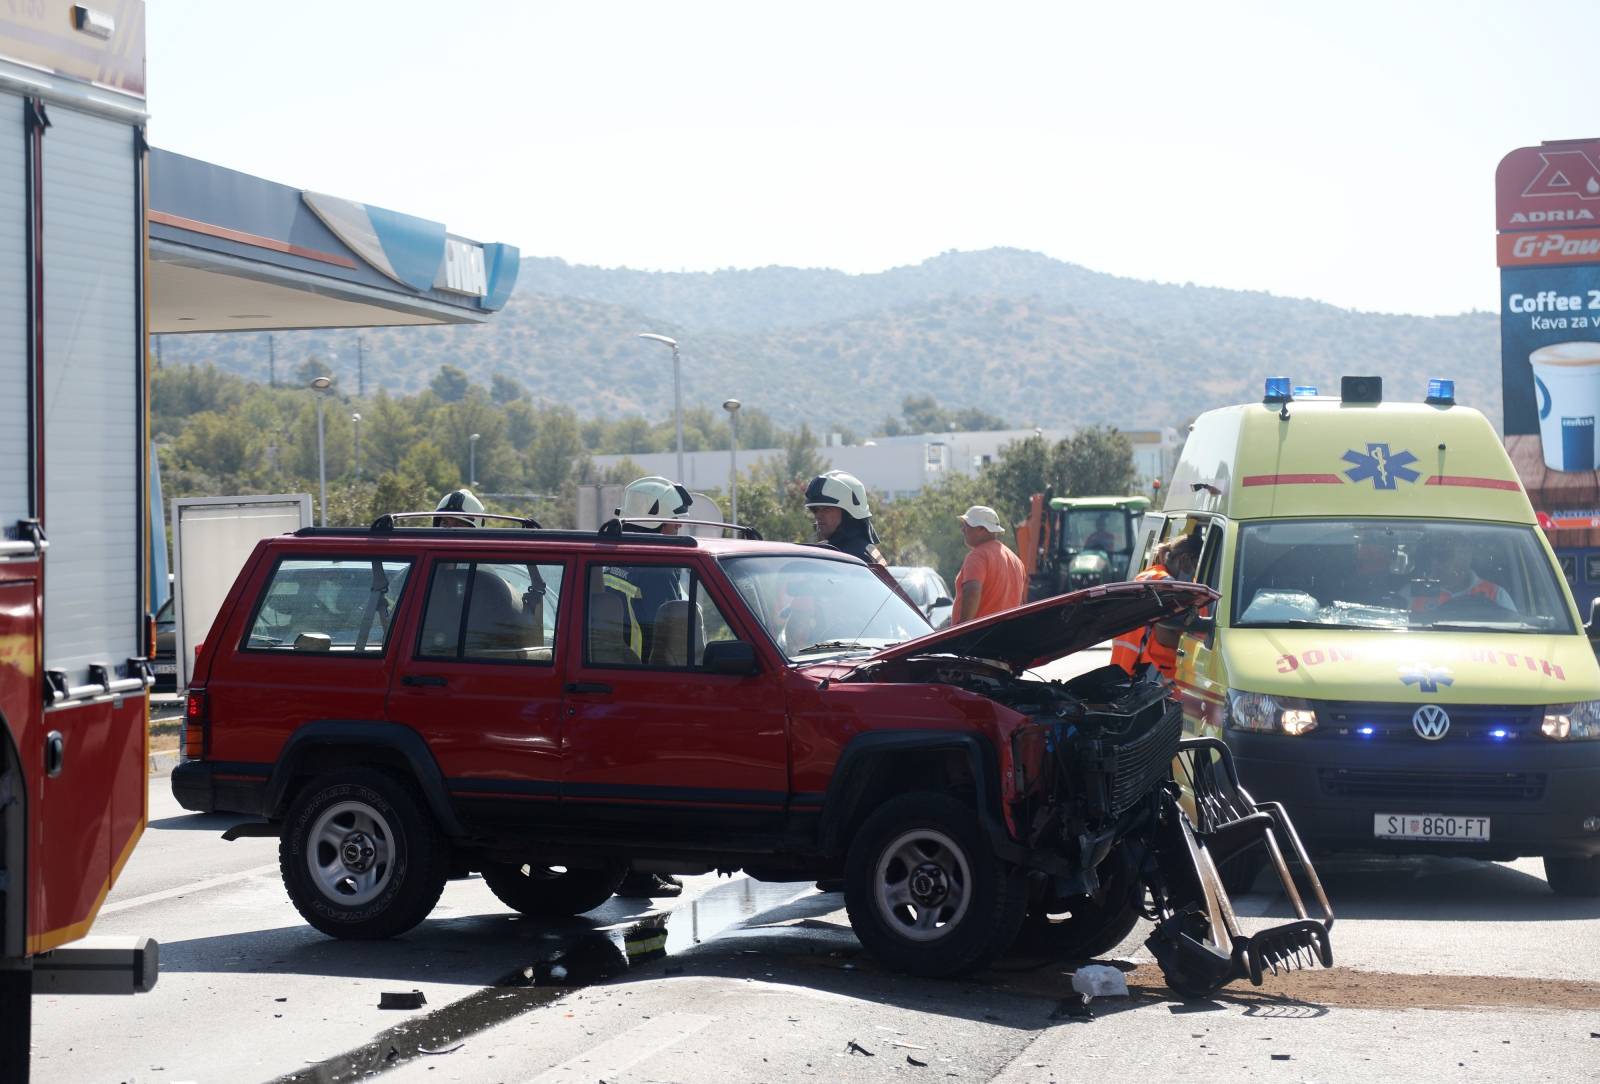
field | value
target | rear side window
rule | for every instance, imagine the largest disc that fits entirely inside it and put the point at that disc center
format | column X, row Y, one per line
column 492, row 611
column 328, row 606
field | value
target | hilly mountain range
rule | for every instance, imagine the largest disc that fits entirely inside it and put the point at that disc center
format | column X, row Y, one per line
column 1032, row 339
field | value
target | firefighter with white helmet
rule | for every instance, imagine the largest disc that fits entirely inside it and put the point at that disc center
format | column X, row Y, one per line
column 838, row 505
column 458, row 500
column 643, row 592
column 652, row 497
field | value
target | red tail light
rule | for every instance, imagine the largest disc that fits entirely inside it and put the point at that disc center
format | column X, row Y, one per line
column 149, row 636
column 196, row 721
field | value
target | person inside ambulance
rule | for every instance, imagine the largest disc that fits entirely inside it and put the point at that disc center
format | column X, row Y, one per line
column 1157, row 645
column 1452, row 580
column 838, row 505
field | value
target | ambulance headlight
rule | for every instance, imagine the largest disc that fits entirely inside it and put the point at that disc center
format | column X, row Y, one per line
column 1572, row 722
column 1267, row 714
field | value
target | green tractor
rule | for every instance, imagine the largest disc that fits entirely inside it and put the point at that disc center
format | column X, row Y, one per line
column 1070, row 543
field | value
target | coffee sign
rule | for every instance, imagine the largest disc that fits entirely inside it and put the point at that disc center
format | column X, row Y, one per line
column 1548, row 212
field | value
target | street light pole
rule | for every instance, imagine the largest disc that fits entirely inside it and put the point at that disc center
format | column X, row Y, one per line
column 732, row 407
column 677, row 394
column 356, row 419
column 321, row 385
column 472, row 460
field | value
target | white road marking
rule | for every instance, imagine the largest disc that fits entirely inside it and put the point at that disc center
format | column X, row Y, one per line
column 184, row 890
column 617, row 1055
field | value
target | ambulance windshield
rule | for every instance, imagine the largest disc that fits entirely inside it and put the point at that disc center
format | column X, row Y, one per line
column 1401, row 574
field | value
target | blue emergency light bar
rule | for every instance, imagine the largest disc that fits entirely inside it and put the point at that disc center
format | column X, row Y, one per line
column 1278, row 390
column 1441, row 392
column 1304, row 390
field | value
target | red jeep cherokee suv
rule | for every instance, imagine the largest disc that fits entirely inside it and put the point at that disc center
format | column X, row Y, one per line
column 554, row 708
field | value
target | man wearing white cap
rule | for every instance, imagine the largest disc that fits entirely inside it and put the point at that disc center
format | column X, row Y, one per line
column 992, row 577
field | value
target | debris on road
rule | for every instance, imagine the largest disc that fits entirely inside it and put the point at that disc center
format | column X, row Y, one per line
column 1098, row 980
column 913, row 1061
column 457, row 1045
column 1075, row 1007
column 1280, row 1057
column 853, row 1047
column 401, row 999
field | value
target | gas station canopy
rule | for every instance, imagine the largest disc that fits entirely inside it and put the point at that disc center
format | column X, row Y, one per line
column 232, row 252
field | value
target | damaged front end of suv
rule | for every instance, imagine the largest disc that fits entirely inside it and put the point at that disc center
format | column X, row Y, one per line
column 1115, row 815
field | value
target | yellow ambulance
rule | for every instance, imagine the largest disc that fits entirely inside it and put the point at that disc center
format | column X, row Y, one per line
column 1395, row 654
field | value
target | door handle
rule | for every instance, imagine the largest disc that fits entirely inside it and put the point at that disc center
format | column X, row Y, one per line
column 587, row 687
column 423, row 679
column 55, row 753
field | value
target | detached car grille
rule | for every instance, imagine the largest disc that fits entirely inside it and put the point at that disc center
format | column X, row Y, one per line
column 1419, row 787
column 1142, row 760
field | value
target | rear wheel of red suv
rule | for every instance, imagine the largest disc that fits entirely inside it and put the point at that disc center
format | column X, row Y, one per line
column 360, row 856
column 553, row 891
column 925, row 892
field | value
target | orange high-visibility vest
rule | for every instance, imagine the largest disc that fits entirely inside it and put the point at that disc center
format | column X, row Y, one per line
column 1139, row 645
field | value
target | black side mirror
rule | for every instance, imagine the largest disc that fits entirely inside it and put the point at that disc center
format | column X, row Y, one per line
column 1592, row 629
column 1198, row 624
column 945, row 600
column 736, row 657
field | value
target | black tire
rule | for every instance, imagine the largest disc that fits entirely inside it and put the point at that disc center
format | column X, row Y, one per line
column 1573, row 876
column 360, row 856
column 1082, row 928
column 549, row 893
column 971, row 904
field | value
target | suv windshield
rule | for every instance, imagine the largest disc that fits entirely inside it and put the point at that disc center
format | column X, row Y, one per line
column 814, row 606
column 1404, row 574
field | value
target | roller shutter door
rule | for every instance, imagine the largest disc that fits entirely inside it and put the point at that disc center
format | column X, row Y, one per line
column 15, row 462
column 92, row 395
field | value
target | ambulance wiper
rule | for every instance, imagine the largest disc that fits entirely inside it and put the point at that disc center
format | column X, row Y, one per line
column 1287, row 623
column 1479, row 626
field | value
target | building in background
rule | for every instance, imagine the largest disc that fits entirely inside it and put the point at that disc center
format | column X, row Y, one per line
column 901, row 466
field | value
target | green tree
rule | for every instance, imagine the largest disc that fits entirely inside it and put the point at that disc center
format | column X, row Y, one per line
column 503, row 389
column 311, row 368
column 450, row 384
column 1097, row 461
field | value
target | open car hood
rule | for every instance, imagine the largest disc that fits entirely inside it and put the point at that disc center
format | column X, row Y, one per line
column 1044, row 631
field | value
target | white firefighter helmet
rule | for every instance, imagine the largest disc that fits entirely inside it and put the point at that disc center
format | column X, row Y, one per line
column 654, row 497
column 836, row 489
column 462, row 503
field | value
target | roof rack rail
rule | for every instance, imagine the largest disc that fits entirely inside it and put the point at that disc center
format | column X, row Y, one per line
column 387, row 522
column 614, row 526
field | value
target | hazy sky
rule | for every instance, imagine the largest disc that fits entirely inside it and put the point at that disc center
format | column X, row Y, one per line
column 1343, row 152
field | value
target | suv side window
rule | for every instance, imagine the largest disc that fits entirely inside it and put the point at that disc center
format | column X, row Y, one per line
column 492, row 611
column 318, row 606
column 652, row 616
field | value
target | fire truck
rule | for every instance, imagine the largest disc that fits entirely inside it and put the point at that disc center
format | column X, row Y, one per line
column 74, row 528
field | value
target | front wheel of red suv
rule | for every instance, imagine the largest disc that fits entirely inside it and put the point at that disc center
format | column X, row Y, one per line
column 925, row 892
column 360, row 856
column 552, row 891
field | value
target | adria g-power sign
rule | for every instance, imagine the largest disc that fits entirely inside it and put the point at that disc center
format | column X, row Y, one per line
column 1547, row 201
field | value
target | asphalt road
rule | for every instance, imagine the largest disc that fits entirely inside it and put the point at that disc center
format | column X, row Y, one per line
column 1447, row 970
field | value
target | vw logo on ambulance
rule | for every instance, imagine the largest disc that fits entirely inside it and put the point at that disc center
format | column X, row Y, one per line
column 1431, row 722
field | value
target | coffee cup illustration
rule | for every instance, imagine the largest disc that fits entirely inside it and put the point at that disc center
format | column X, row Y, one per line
column 1566, row 383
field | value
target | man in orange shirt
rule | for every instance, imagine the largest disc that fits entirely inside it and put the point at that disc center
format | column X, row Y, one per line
column 992, row 577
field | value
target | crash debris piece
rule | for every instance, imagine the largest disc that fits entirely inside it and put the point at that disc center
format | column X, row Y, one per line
column 401, row 999
column 854, row 1047
column 1098, row 980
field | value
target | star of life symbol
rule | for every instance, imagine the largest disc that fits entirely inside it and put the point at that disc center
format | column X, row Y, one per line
column 1426, row 678
column 1430, row 722
column 1384, row 467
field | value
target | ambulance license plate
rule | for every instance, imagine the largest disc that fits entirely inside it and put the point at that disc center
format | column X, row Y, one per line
column 1430, row 826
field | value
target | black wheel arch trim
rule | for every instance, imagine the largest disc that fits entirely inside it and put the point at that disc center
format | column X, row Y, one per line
column 361, row 734
column 869, row 753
